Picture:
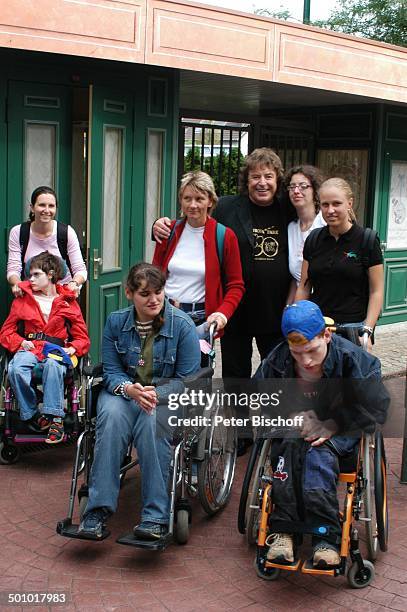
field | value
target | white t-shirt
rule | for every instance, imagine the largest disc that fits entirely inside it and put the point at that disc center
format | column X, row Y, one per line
column 45, row 303
column 186, row 268
column 296, row 239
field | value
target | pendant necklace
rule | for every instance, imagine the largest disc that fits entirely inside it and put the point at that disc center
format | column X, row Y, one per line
column 141, row 361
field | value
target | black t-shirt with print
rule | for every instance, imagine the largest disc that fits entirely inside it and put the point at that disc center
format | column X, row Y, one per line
column 271, row 278
column 338, row 277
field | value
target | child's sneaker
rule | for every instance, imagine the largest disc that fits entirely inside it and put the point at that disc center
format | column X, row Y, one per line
column 56, row 431
column 44, row 422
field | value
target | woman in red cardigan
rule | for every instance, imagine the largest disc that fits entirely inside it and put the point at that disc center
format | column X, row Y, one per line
column 204, row 274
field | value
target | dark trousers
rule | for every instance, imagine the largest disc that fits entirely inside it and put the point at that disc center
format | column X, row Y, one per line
column 304, row 487
column 237, row 349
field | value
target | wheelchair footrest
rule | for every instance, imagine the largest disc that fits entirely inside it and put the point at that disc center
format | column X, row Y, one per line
column 309, row 568
column 291, row 567
column 66, row 529
column 29, row 438
column 129, row 539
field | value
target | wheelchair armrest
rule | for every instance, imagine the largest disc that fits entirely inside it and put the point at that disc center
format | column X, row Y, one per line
column 202, row 373
column 95, row 370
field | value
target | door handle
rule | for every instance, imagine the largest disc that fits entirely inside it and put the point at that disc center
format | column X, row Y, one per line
column 383, row 246
column 97, row 263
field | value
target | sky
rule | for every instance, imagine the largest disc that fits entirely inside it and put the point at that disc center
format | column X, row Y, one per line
column 320, row 9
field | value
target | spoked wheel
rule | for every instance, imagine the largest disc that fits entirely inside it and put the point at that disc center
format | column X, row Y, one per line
column 9, row 453
column 253, row 505
column 369, row 507
column 380, row 472
column 217, row 470
column 375, row 511
column 247, row 485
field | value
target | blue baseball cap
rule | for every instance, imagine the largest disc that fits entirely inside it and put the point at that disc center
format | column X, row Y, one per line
column 303, row 317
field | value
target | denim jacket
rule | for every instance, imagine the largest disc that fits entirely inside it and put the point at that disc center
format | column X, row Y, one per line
column 358, row 401
column 176, row 351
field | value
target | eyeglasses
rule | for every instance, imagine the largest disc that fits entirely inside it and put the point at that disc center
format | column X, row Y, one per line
column 301, row 186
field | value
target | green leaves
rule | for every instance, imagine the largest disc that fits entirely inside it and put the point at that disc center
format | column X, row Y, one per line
column 384, row 20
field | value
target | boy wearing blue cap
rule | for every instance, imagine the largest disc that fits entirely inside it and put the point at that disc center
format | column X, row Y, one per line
column 305, row 499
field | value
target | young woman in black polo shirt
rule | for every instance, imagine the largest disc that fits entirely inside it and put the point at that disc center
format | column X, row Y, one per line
column 345, row 283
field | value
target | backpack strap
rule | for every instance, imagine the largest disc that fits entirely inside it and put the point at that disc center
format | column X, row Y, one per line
column 368, row 242
column 220, row 241
column 172, row 232
column 62, row 241
column 24, row 239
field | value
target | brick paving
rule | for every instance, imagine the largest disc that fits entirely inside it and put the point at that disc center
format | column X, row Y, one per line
column 214, row 571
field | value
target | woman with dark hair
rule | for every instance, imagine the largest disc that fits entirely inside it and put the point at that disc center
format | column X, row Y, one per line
column 43, row 315
column 302, row 184
column 43, row 233
column 147, row 349
column 342, row 271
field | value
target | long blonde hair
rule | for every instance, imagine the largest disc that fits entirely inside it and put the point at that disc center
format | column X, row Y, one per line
column 344, row 186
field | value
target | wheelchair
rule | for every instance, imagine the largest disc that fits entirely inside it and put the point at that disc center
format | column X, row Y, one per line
column 203, row 464
column 14, row 433
column 364, row 476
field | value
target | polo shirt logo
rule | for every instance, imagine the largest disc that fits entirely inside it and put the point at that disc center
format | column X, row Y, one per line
column 350, row 255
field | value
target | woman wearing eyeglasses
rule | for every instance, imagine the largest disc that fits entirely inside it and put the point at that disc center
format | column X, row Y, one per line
column 302, row 184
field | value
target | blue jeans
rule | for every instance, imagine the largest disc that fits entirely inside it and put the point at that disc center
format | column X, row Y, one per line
column 120, row 421
column 20, row 373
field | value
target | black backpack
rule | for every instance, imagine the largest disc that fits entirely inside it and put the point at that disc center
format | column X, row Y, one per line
column 369, row 239
column 62, row 241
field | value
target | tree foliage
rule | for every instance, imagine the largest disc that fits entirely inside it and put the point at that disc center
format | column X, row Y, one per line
column 384, row 20
column 224, row 170
column 279, row 13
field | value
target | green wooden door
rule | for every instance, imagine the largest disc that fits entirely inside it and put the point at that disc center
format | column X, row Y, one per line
column 392, row 221
column 39, row 146
column 109, row 207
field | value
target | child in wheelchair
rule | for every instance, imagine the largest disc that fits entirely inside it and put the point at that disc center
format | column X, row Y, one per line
column 147, row 349
column 306, row 469
column 46, row 332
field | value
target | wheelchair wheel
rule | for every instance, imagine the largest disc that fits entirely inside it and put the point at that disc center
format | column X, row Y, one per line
column 247, row 485
column 375, row 495
column 9, row 453
column 217, row 470
column 182, row 526
column 380, row 477
column 263, row 467
column 265, row 573
column 360, row 579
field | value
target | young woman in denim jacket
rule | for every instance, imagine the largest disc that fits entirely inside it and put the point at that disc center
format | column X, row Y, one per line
column 142, row 345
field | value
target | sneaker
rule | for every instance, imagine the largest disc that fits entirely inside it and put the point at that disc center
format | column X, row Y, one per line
column 44, row 422
column 56, row 431
column 325, row 555
column 150, row 531
column 281, row 548
column 94, row 522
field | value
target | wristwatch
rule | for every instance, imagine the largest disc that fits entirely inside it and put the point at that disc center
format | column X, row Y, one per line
column 365, row 329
